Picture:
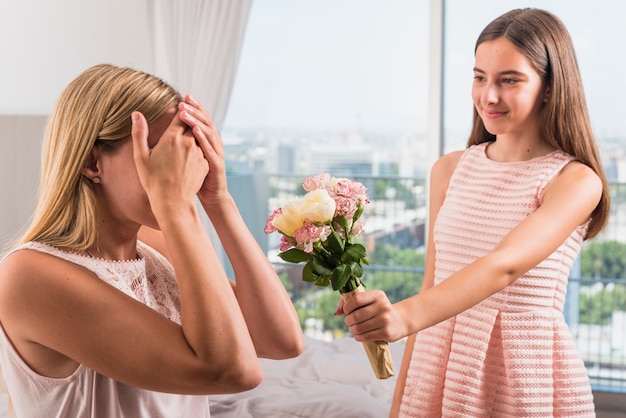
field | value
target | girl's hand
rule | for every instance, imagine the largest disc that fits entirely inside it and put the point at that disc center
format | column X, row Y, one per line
column 172, row 171
column 198, row 119
column 370, row 316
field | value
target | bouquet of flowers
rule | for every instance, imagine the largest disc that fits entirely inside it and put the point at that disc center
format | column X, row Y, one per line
column 319, row 229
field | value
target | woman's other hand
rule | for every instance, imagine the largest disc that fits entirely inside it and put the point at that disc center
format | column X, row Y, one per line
column 198, row 119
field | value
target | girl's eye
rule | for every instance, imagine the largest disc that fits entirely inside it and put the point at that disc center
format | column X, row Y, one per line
column 479, row 78
column 509, row 81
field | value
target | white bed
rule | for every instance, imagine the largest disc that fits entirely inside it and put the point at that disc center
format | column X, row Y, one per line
column 329, row 379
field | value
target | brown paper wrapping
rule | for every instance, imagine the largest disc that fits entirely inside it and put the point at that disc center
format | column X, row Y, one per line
column 377, row 351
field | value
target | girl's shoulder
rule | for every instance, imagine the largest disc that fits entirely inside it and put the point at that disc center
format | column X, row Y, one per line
column 445, row 165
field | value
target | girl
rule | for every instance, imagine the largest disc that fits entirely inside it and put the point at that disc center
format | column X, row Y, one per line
column 508, row 217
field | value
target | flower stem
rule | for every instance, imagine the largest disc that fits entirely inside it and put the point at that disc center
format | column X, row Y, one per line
column 351, row 285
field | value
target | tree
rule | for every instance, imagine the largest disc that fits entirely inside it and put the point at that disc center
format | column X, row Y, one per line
column 603, row 260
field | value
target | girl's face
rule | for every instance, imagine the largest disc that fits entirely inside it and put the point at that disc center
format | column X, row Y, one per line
column 508, row 93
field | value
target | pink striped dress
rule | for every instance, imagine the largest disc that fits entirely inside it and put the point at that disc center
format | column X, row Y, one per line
column 511, row 355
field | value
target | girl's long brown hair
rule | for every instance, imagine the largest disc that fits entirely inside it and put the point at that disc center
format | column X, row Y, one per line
column 546, row 43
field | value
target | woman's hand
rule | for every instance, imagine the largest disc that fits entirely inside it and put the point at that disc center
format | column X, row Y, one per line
column 172, row 171
column 198, row 119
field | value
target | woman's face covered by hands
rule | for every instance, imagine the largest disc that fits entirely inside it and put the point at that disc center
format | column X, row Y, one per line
column 161, row 165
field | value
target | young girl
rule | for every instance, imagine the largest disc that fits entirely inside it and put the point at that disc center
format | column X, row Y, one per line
column 114, row 304
column 508, row 217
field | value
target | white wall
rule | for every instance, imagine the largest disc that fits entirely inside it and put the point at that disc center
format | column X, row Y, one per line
column 44, row 45
column 20, row 137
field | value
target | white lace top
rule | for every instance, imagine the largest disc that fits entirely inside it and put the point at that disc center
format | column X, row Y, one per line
column 86, row 393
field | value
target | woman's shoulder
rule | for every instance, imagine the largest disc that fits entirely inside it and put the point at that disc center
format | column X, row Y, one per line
column 28, row 276
column 29, row 262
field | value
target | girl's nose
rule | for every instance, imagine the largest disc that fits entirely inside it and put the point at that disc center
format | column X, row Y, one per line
column 490, row 94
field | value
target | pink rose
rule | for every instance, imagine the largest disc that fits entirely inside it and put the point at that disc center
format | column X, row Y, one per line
column 354, row 190
column 269, row 226
column 286, row 243
column 345, row 206
column 311, row 233
column 317, row 181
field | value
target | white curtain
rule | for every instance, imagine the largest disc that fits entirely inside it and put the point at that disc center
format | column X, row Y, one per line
column 197, row 44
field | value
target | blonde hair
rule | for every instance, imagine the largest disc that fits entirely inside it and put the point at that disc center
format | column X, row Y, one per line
column 93, row 110
column 544, row 40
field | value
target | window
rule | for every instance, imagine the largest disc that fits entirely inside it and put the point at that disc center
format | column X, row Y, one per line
column 317, row 78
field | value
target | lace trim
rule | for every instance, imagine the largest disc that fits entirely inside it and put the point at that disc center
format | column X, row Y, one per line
column 148, row 279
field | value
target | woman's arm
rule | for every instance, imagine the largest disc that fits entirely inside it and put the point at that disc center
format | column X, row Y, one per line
column 267, row 308
column 59, row 315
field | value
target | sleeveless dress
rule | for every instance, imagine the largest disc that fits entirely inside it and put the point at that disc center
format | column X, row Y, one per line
column 86, row 393
column 511, row 355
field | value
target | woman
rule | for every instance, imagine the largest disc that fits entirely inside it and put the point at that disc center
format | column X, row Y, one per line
column 115, row 303
column 508, row 217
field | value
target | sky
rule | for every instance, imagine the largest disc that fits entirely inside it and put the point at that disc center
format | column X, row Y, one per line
column 346, row 64
column 328, row 63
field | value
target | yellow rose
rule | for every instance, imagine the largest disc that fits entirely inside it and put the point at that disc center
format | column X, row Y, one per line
column 316, row 206
column 290, row 219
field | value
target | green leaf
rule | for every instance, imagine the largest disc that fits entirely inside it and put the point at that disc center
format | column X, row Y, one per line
column 354, row 252
column 343, row 221
column 322, row 281
column 294, row 255
column 351, row 285
column 335, row 243
column 307, row 273
column 341, row 274
column 320, row 267
column 356, row 269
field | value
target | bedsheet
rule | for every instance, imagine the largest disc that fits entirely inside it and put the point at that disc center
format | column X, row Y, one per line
column 329, row 379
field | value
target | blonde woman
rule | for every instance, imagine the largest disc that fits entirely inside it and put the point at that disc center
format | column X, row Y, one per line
column 114, row 303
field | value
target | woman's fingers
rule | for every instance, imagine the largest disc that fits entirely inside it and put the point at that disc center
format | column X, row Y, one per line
column 176, row 162
column 141, row 149
column 198, row 118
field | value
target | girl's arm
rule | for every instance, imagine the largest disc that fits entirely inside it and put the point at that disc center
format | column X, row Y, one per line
column 568, row 201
